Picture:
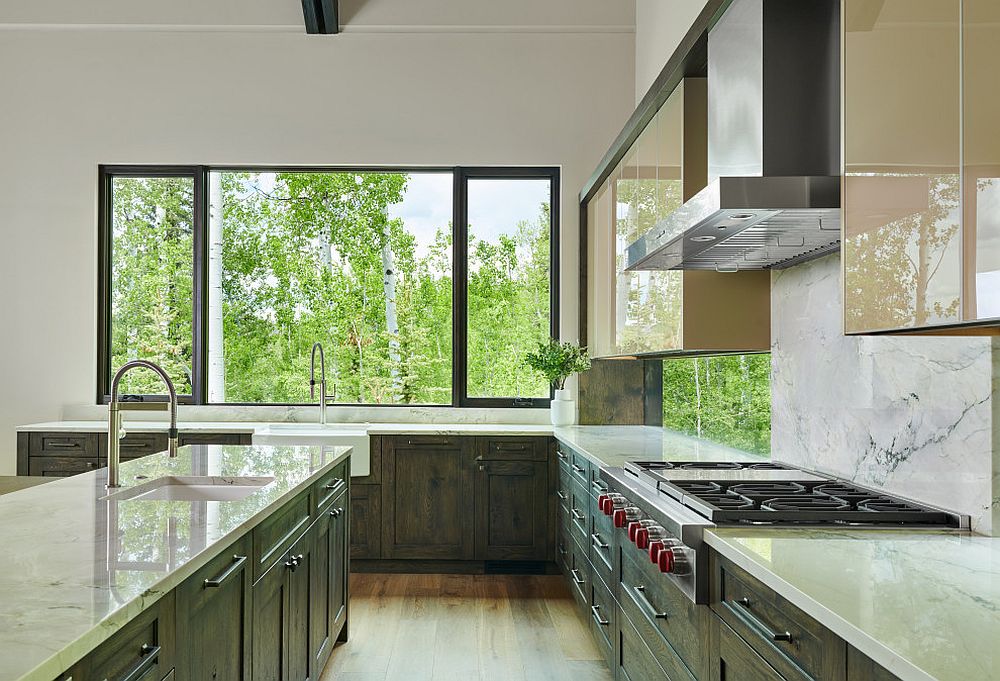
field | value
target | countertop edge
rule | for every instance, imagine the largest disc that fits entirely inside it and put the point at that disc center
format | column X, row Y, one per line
column 871, row 647
column 104, row 629
column 251, row 427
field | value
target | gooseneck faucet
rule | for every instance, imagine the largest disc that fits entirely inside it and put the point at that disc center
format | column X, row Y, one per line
column 323, row 396
column 114, row 417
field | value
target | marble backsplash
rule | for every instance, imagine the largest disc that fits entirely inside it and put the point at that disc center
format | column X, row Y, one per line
column 911, row 415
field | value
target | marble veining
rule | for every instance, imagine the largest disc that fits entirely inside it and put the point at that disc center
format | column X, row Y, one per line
column 923, row 604
column 77, row 565
column 911, row 415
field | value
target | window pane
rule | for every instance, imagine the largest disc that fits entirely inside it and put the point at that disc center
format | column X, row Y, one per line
column 152, row 264
column 509, row 279
column 723, row 399
column 359, row 261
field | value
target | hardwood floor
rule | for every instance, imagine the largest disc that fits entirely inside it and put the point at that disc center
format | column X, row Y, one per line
column 463, row 628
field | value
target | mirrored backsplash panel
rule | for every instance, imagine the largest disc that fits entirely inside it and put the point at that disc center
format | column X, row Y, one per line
column 912, row 415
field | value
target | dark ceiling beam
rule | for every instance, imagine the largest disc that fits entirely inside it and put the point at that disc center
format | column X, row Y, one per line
column 321, row 16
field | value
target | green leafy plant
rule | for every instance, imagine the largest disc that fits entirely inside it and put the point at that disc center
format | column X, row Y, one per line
column 558, row 361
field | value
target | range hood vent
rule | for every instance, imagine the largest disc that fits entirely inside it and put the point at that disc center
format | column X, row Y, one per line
column 773, row 194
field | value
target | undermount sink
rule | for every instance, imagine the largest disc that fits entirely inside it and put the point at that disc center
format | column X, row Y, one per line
column 192, row 488
column 318, row 434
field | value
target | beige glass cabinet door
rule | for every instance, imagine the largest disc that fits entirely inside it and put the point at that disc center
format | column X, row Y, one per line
column 902, row 245
column 981, row 181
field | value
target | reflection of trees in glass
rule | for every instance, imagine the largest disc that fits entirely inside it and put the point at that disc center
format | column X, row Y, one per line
column 151, row 265
column 649, row 304
column 723, row 399
column 889, row 269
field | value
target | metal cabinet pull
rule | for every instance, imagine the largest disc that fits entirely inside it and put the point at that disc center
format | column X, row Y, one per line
column 580, row 581
column 577, row 515
column 561, row 494
column 293, row 562
column 561, row 454
column 577, row 469
column 511, row 447
column 227, row 573
column 598, row 543
column 338, row 482
column 598, row 486
column 62, row 445
column 596, row 612
column 417, row 443
column 640, row 593
column 757, row 624
column 150, row 656
column 336, row 512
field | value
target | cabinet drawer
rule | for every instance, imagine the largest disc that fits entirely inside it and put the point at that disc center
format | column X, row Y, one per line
column 62, row 444
column 513, row 448
column 579, row 575
column 423, row 441
column 597, row 486
column 273, row 537
column 736, row 661
column 673, row 627
column 791, row 641
column 61, row 466
column 563, row 543
column 603, row 615
column 602, row 546
column 135, row 445
column 214, row 439
column 579, row 514
column 862, row 668
column 366, row 521
column 142, row 649
column 329, row 487
column 636, row 662
column 577, row 464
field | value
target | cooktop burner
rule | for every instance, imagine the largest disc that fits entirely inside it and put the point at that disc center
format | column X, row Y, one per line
column 746, row 471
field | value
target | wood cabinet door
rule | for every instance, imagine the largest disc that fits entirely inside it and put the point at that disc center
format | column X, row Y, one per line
column 366, row 521
column 300, row 596
column 427, row 498
column 339, row 567
column 320, row 600
column 512, row 510
column 214, row 607
column 737, row 661
column 270, row 624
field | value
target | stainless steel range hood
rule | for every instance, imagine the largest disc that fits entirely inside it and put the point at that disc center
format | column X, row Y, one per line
column 773, row 194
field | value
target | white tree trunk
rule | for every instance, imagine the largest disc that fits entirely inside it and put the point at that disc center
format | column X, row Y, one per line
column 391, row 321
column 216, row 355
column 697, row 393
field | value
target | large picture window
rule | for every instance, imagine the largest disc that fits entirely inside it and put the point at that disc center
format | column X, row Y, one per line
column 425, row 286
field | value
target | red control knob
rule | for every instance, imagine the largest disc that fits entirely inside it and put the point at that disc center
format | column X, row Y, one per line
column 633, row 527
column 622, row 516
column 602, row 501
column 665, row 560
column 655, row 547
column 642, row 538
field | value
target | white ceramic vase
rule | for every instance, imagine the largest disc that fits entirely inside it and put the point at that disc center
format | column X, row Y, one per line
column 563, row 409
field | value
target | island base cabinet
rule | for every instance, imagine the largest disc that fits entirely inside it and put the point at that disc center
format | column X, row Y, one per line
column 214, row 618
column 328, row 584
column 143, row 650
column 281, row 601
column 734, row 660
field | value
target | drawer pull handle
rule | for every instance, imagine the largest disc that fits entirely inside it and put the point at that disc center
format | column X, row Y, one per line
column 640, row 593
column 233, row 568
column 598, row 542
column 508, row 447
column 150, row 656
column 561, row 494
column 596, row 611
column 562, row 550
column 598, row 486
column 336, row 512
column 577, row 515
column 336, row 484
column 63, row 445
column 577, row 579
column 428, row 442
column 561, row 454
column 759, row 626
column 577, row 469
column 293, row 562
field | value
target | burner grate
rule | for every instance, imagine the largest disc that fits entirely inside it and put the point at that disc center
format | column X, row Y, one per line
column 805, row 502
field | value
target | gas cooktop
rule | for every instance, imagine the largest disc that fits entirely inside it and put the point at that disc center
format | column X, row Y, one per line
column 775, row 493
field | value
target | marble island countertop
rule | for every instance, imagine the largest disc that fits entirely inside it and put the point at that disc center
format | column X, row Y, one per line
column 80, row 565
column 923, row 604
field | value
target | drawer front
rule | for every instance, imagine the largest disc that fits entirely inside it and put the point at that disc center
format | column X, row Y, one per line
column 273, row 537
column 579, row 514
column 579, row 466
column 329, row 487
column 603, row 612
column 63, row 444
column 791, row 641
column 366, row 521
column 597, row 486
column 635, row 661
column 563, row 543
column 579, row 575
column 602, row 546
column 862, row 668
column 61, row 466
column 671, row 623
column 214, row 439
column 142, row 649
column 136, row 445
column 736, row 661
column 513, row 448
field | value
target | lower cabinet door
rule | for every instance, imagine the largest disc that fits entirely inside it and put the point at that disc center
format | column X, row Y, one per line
column 271, row 605
column 635, row 661
column 512, row 510
column 143, row 649
column 339, row 567
column 213, row 606
column 320, row 596
column 737, row 661
column 301, row 580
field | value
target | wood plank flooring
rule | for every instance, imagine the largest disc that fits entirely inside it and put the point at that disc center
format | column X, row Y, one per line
column 464, row 628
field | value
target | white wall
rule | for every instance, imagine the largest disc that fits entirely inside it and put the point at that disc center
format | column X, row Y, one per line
column 659, row 27
column 75, row 98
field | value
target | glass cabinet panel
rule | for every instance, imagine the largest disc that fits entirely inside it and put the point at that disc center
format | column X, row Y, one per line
column 601, row 256
column 981, row 195
column 902, row 245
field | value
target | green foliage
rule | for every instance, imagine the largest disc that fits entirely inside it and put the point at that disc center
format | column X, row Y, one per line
column 723, row 399
column 558, row 361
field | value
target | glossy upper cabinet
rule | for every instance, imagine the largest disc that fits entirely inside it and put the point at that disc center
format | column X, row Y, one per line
column 673, row 311
column 921, row 245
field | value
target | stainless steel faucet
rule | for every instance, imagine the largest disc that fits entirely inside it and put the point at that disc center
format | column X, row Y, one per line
column 115, row 423
column 323, row 396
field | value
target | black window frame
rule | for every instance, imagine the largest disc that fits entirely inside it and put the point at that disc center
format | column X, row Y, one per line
column 460, row 176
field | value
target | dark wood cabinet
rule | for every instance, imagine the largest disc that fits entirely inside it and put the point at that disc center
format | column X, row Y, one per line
column 214, row 609
column 328, row 583
column 271, row 605
column 143, row 650
column 860, row 667
column 428, row 498
column 734, row 660
column 366, row 521
column 512, row 503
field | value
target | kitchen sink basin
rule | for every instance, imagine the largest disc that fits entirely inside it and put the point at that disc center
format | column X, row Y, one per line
column 192, row 488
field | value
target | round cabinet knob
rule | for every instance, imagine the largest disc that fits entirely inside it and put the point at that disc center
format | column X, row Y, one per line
column 665, row 560
column 623, row 516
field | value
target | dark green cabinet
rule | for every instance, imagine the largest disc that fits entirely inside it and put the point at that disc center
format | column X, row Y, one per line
column 143, row 650
column 366, row 521
column 512, row 504
column 328, row 583
column 214, row 608
column 428, row 498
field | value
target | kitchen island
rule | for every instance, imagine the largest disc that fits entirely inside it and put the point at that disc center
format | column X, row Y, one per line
column 81, row 566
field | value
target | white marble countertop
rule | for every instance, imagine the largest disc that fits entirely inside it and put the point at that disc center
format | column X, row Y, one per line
column 76, row 568
column 614, row 445
column 923, row 604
